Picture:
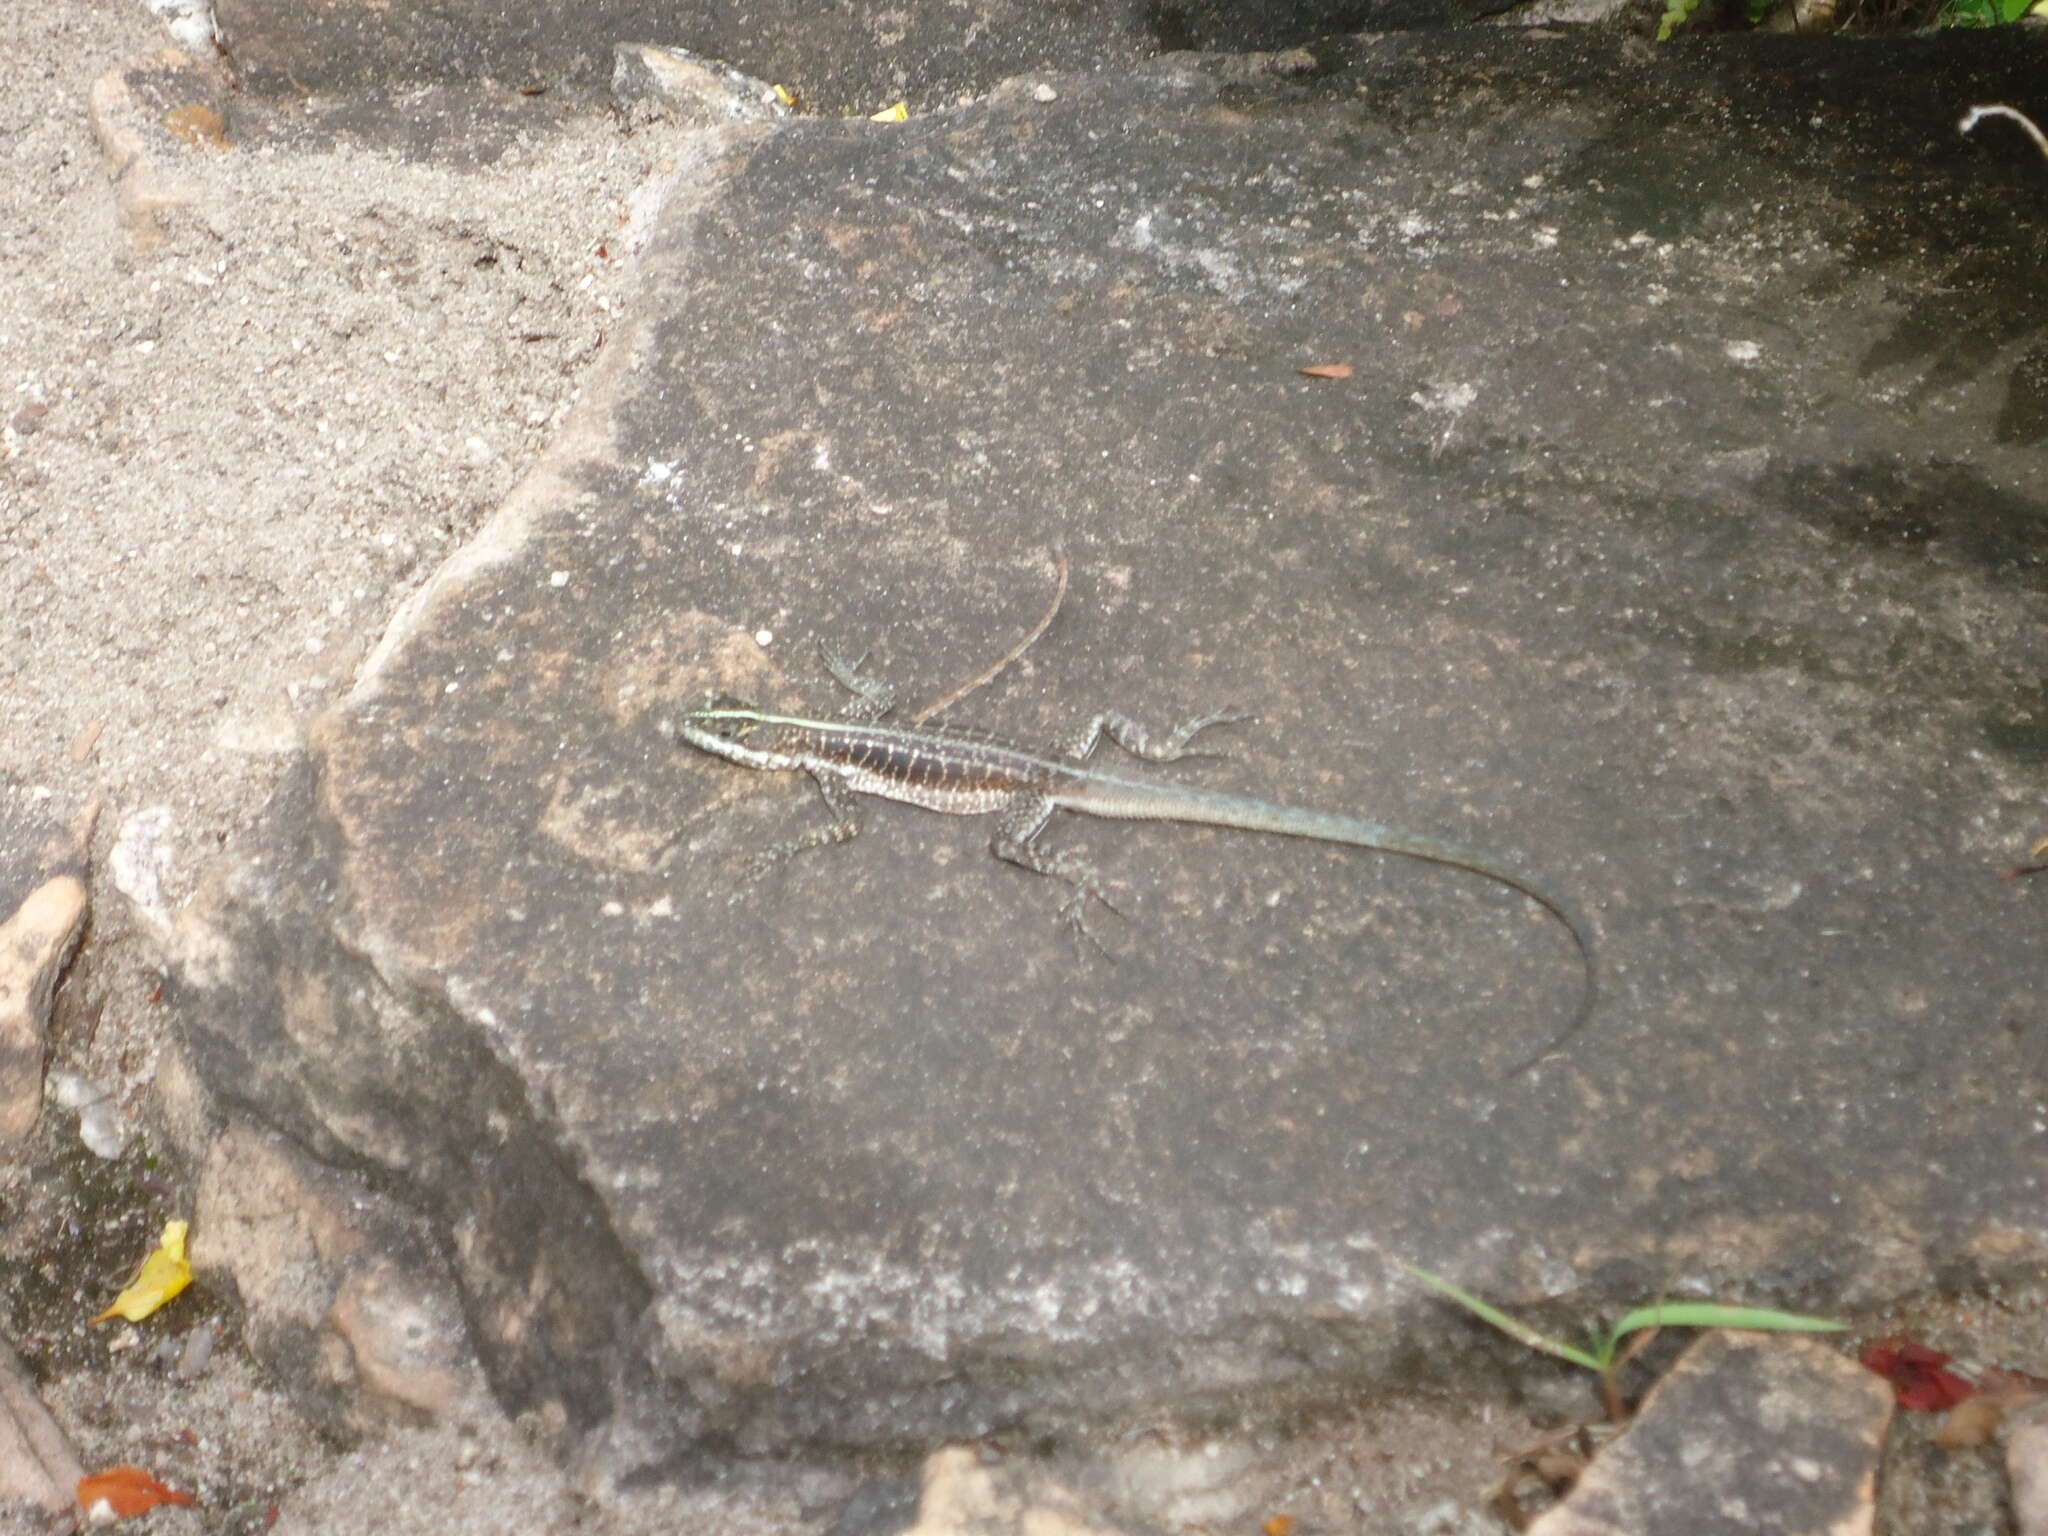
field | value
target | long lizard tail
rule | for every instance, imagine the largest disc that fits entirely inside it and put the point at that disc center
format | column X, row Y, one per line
column 1133, row 799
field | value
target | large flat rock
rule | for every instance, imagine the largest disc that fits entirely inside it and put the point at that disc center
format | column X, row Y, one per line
column 1677, row 536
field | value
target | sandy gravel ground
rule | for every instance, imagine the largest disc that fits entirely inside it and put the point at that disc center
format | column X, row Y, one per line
column 223, row 463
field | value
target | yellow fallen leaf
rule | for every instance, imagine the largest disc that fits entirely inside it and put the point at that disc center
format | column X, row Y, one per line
column 162, row 1275
column 784, row 95
column 896, row 114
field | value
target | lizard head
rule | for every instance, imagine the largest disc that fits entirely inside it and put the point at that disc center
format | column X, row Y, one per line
column 722, row 725
column 724, row 716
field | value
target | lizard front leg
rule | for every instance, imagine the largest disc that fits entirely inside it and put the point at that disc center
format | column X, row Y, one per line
column 844, row 826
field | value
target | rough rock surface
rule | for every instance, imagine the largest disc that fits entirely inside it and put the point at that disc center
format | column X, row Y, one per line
column 1748, row 1434
column 1676, row 534
column 43, row 905
column 346, row 1291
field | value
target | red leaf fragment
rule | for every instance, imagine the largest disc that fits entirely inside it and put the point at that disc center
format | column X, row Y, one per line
column 127, row 1491
column 1917, row 1376
column 1325, row 371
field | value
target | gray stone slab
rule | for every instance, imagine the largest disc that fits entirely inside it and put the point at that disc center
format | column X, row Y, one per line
column 1670, row 537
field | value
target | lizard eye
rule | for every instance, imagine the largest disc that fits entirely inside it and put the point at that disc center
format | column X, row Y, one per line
column 728, row 716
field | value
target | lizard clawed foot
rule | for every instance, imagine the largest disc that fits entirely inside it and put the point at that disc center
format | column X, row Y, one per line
column 1075, row 911
column 1201, row 723
column 758, row 866
column 766, row 861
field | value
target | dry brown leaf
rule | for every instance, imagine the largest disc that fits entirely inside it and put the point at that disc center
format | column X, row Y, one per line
column 1325, row 371
column 1973, row 1421
column 1559, row 1469
column 126, row 1491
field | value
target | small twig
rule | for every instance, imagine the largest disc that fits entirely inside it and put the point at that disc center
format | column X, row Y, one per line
column 1059, row 594
column 1977, row 115
column 2021, row 870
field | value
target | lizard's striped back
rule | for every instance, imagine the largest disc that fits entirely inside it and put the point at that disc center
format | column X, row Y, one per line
column 958, row 772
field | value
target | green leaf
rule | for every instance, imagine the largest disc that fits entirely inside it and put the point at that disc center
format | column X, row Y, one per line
column 1513, row 1327
column 1712, row 1314
column 1676, row 13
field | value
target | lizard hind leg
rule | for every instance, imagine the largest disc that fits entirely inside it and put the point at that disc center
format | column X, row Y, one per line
column 1140, row 742
column 1013, row 842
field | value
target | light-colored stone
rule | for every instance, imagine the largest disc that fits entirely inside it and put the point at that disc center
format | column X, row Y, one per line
column 2026, row 1467
column 967, row 1495
column 139, row 864
column 691, row 88
column 338, row 1284
column 145, row 113
column 1749, row 1434
column 36, row 941
column 37, row 1464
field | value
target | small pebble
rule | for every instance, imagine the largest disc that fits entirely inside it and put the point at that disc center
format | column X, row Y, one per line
column 198, row 1352
column 105, row 1133
column 1043, row 92
column 68, row 1090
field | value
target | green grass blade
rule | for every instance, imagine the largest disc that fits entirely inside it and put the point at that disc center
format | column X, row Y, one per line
column 1712, row 1314
column 1513, row 1327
